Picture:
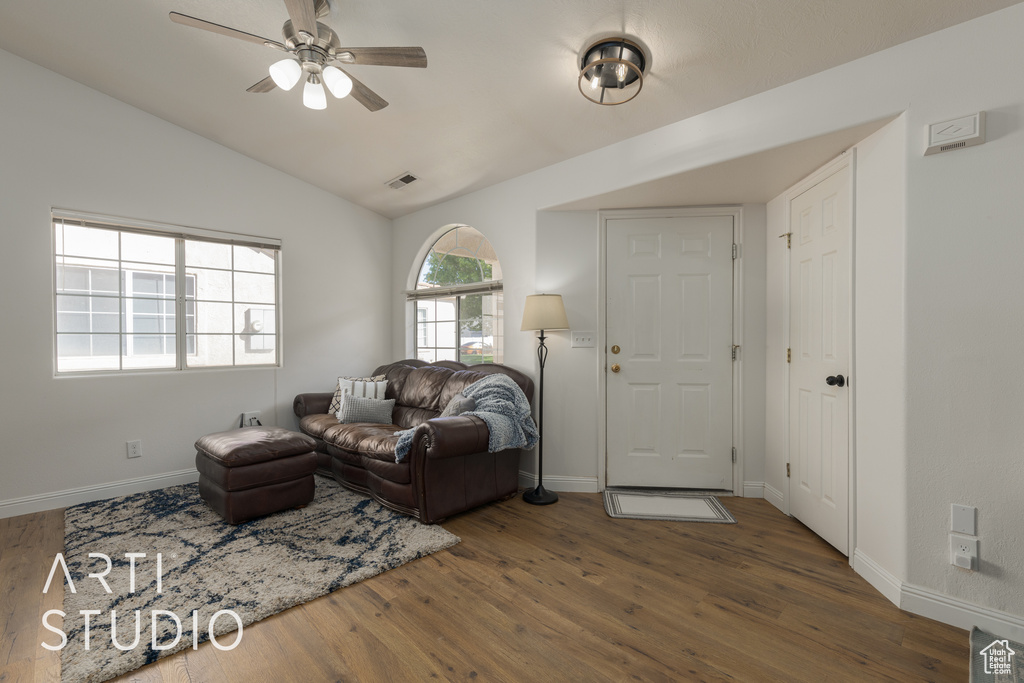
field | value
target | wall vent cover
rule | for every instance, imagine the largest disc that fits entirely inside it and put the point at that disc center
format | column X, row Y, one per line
column 965, row 131
column 401, row 181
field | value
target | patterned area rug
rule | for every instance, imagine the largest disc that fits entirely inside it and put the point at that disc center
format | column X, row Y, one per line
column 665, row 504
column 255, row 569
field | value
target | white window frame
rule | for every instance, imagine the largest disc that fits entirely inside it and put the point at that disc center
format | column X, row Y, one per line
column 182, row 336
column 457, row 292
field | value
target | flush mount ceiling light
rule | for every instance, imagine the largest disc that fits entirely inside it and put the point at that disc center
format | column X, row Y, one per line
column 612, row 71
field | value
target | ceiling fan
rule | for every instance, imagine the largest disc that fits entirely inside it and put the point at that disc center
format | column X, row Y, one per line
column 314, row 50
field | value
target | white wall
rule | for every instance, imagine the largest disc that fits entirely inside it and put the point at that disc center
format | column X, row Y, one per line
column 962, row 313
column 567, row 260
column 880, row 349
column 877, row 360
column 67, row 146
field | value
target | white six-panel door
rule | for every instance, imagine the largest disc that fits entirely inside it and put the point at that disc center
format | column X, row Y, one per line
column 670, row 307
column 820, row 225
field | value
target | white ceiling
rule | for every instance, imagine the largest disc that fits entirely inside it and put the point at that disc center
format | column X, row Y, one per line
column 499, row 96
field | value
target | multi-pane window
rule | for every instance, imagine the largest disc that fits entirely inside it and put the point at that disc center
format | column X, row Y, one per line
column 142, row 297
column 458, row 300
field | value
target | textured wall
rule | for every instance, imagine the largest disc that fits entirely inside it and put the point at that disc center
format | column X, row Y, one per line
column 70, row 147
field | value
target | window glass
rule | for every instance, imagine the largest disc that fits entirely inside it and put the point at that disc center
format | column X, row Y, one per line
column 118, row 300
column 463, row 321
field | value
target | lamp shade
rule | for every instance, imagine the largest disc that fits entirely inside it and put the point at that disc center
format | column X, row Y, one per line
column 544, row 312
column 286, row 73
column 337, row 82
column 313, row 95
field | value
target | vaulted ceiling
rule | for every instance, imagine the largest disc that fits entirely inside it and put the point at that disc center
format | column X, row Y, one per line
column 498, row 99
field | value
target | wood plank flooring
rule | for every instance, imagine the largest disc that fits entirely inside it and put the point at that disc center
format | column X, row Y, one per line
column 555, row 593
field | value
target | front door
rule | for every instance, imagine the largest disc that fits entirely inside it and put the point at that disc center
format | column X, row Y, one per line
column 820, row 227
column 669, row 359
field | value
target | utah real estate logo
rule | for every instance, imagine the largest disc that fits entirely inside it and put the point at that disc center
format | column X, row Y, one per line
column 998, row 658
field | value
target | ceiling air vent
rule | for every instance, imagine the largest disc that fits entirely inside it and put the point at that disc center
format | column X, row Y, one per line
column 401, row 181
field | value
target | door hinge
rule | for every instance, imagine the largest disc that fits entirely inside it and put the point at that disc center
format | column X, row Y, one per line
column 789, row 355
column 734, row 454
column 735, row 351
column 787, row 469
column 789, row 239
column 735, row 251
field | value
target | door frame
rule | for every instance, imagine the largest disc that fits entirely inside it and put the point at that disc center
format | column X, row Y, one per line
column 736, row 211
column 847, row 158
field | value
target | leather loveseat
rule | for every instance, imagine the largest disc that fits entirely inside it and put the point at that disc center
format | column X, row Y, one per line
column 447, row 471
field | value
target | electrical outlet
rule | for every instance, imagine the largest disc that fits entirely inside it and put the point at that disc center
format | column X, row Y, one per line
column 582, row 340
column 134, row 449
column 251, row 419
column 963, row 552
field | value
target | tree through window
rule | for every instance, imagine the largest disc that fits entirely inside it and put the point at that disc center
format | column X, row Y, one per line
column 458, row 300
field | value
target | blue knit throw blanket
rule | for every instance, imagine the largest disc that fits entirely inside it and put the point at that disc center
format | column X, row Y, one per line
column 503, row 407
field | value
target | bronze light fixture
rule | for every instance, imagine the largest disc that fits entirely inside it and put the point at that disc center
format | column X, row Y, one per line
column 612, row 71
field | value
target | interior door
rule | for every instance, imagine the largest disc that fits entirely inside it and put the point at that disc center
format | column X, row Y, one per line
column 820, row 226
column 669, row 360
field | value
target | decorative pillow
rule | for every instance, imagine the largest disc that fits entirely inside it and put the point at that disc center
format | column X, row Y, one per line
column 367, row 387
column 458, row 405
column 358, row 409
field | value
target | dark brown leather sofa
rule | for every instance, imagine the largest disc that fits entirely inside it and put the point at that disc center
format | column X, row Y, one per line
column 448, row 470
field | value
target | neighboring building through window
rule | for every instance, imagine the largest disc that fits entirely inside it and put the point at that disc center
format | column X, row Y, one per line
column 458, row 300
column 139, row 296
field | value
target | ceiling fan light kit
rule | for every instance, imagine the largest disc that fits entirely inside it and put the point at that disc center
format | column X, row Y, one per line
column 612, row 71
column 313, row 47
column 313, row 95
column 286, row 73
column 337, row 82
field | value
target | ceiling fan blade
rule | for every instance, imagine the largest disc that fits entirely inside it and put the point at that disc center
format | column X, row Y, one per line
column 365, row 96
column 186, row 20
column 266, row 85
column 385, row 56
column 303, row 16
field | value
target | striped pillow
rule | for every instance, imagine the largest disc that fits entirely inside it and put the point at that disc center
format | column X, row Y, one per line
column 357, row 409
column 365, row 387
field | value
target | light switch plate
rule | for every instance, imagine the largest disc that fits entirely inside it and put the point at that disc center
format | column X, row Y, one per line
column 963, row 520
column 582, row 340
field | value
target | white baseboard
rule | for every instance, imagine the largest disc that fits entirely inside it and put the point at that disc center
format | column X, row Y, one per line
column 878, row 576
column 528, row 480
column 774, row 496
column 85, row 494
column 753, row 489
column 956, row 612
column 934, row 605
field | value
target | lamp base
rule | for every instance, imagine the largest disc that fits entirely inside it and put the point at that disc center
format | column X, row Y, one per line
column 540, row 496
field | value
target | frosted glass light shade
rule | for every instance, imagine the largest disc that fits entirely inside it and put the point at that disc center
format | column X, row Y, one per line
column 337, row 82
column 313, row 95
column 285, row 73
column 544, row 312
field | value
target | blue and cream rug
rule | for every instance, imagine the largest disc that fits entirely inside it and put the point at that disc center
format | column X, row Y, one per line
column 255, row 569
column 665, row 504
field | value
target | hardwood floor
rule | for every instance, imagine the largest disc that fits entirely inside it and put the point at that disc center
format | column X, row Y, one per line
column 556, row 593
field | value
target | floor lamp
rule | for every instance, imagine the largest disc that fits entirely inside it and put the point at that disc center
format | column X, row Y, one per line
column 542, row 312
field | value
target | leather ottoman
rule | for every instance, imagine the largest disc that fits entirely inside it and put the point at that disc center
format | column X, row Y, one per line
column 255, row 471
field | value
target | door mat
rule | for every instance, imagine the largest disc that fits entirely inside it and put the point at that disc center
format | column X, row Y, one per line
column 665, row 504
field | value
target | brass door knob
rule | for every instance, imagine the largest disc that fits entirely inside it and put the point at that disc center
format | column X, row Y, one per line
column 616, row 349
column 615, row 367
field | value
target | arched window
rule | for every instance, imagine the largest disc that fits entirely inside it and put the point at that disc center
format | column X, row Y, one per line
column 458, row 300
